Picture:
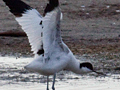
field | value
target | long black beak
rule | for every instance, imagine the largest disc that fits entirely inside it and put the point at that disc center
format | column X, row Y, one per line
column 99, row 73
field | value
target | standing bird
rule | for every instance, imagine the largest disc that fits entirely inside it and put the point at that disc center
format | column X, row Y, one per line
column 51, row 53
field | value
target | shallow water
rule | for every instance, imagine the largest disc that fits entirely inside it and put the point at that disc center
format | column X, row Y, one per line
column 14, row 77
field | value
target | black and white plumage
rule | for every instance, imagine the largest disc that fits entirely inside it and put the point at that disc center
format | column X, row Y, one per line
column 52, row 54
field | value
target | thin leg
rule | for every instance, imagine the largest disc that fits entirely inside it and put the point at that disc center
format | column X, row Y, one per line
column 54, row 82
column 47, row 82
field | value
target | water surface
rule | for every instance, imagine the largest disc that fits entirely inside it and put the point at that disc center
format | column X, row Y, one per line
column 14, row 77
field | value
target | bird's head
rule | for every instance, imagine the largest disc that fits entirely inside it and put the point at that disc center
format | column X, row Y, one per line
column 87, row 67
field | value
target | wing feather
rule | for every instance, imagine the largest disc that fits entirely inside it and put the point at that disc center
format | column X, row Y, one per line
column 30, row 22
column 43, row 32
column 51, row 32
column 29, row 19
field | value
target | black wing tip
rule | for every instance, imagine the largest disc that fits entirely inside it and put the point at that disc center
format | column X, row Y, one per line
column 40, row 52
column 17, row 7
column 52, row 4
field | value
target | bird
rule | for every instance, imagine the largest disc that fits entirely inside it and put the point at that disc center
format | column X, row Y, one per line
column 44, row 34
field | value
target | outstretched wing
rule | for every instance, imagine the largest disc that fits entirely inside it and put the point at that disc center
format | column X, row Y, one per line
column 31, row 22
column 51, row 32
column 43, row 32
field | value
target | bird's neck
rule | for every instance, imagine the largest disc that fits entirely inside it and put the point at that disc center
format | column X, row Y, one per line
column 74, row 65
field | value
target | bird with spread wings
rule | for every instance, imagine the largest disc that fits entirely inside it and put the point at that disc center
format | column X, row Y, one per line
column 44, row 34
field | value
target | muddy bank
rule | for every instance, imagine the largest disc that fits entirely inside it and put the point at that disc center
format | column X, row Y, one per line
column 103, row 53
column 78, row 46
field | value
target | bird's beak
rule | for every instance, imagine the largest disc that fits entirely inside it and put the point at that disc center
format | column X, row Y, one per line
column 99, row 73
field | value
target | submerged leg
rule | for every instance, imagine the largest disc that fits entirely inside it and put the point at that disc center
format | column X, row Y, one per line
column 54, row 82
column 47, row 82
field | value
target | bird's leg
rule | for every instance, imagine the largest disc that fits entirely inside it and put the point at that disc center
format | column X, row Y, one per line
column 47, row 82
column 54, row 82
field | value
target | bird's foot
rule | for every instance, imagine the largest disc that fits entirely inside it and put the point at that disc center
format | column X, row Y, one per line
column 53, row 88
column 47, row 89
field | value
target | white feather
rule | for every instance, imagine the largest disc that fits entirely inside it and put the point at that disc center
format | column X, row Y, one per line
column 30, row 22
column 51, row 31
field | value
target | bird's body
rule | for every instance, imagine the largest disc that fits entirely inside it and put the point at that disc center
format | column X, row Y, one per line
column 57, row 62
column 51, row 53
column 53, row 64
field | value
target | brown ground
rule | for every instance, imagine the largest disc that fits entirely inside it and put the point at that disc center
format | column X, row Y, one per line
column 89, row 27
